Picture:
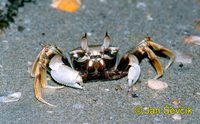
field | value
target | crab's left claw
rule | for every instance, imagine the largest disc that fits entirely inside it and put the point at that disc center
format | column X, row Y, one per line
column 133, row 72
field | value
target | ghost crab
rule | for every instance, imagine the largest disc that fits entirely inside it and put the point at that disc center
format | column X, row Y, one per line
column 94, row 62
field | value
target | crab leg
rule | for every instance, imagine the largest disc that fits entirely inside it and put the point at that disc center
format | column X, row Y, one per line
column 156, row 63
column 37, row 85
column 35, row 66
column 132, row 70
column 39, row 72
column 43, row 62
column 164, row 51
column 44, row 81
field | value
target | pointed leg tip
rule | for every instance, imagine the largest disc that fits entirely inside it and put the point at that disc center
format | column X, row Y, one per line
column 167, row 67
column 45, row 102
column 157, row 76
column 85, row 36
column 106, row 33
column 131, row 93
column 81, row 87
column 51, row 105
column 53, row 87
column 32, row 75
column 148, row 38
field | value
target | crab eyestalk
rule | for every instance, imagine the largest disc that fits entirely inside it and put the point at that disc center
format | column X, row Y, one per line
column 106, row 42
column 84, row 43
column 54, row 50
column 148, row 39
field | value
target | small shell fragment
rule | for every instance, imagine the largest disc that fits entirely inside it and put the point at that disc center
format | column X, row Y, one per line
column 183, row 57
column 197, row 93
column 103, row 1
column 107, row 90
column 67, row 5
column 5, row 45
column 192, row 39
column 149, row 17
column 10, row 97
column 50, row 112
column 29, row 67
column 29, row 63
column 176, row 117
column 118, row 88
column 141, row 5
column 156, row 84
column 176, row 102
column 78, row 106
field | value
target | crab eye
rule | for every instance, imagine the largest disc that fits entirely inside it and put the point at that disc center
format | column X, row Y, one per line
column 107, row 57
column 113, row 52
column 88, row 53
column 75, row 55
column 95, row 56
column 101, row 52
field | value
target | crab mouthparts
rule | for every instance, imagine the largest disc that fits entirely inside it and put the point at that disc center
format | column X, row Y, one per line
column 96, row 65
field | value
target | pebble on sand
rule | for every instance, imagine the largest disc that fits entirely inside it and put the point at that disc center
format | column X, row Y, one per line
column 183, row 57
column 192, row 39
column 157, row 85
column 10, row 97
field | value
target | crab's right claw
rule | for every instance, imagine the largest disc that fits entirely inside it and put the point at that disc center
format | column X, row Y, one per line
column 64, row 74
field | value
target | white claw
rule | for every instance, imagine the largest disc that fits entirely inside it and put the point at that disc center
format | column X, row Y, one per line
column 64, row 74
column 133, row 74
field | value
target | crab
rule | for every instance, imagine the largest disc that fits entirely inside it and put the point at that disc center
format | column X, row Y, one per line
column 94, row 62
